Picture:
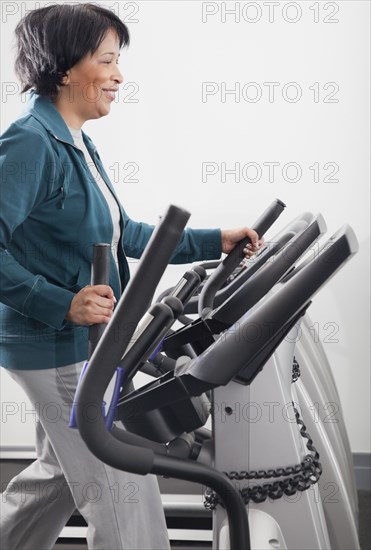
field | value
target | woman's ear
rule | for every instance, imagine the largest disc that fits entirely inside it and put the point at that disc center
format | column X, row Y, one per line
column 66, row 78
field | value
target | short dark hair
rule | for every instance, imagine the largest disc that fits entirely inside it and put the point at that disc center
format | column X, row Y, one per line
column 53, row 39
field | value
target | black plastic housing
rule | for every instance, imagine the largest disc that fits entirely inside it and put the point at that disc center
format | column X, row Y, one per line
column 100, row 273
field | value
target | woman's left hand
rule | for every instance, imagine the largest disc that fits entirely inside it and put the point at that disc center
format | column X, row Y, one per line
column 230, row 237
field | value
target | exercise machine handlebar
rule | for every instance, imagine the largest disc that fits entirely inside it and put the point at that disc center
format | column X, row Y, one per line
column 100, row 272
column 246, row 269
column 227, row 266
column 107, row 355
column 111, row 347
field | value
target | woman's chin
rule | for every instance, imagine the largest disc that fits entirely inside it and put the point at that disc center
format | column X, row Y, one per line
column 104, row 110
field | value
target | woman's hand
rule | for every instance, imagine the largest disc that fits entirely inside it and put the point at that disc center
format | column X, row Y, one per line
column 93, row 304
column 230, row 237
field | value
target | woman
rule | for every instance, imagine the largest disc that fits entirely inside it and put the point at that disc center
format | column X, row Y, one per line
column 52, row 211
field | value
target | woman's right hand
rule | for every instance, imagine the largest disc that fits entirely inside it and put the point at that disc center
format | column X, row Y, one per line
column 92, row 305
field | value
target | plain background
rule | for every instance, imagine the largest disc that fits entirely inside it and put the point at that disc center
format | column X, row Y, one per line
column 212, row 87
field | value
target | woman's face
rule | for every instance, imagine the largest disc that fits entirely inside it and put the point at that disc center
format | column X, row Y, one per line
column 91, row 84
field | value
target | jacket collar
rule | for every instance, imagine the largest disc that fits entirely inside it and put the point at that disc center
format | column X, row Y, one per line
column 44, row 110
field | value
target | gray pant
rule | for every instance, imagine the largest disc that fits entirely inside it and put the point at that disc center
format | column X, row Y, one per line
column 123, row 511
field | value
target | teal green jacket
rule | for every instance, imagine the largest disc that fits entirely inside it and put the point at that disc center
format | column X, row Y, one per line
column 52, row 212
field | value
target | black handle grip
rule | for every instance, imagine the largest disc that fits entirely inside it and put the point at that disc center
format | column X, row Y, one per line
column 150, row 331
column 100, row 271
column 188, row 284
column 246, row 271
column 227, row 266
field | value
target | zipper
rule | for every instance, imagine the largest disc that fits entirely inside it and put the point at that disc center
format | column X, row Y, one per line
column 62, row 189
column 67, row 142
column 61, row 204
column 117, row 270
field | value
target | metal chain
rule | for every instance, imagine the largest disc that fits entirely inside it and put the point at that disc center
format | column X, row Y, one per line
column 296, row 478
column 295, row 371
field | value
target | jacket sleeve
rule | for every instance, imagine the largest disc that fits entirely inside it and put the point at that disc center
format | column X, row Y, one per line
column 27, row 168
column 195, row 244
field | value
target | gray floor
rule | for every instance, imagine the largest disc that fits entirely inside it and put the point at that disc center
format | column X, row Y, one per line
column 176, row 546
column 364, row 499
column 183, row 546
column 9, row 468
column 364, row 530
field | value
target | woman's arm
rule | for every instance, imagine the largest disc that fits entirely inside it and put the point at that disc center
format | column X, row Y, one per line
column 28, row 170
column 195, row 244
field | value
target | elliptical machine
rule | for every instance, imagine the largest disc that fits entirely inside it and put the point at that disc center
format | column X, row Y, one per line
column 337, row 483
column 271, row 393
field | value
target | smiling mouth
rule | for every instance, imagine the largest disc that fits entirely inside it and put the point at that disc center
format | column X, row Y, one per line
column 110, row 93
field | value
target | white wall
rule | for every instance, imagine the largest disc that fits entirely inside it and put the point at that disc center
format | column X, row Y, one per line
column 317, row 117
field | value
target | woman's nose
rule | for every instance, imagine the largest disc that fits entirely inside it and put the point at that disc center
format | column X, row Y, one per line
column 118, row 76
